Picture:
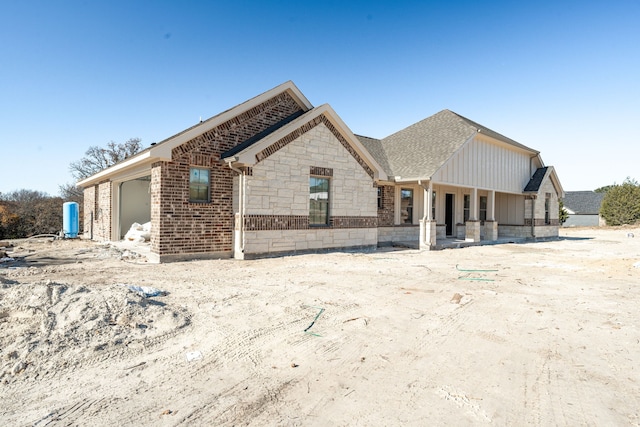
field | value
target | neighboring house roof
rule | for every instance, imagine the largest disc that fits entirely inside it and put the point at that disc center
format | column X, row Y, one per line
column 583, row 202
column 422, row 148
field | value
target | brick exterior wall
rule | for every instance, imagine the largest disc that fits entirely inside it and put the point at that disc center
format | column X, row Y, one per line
column 89, row 202
column 181, row 227
column 97, row 202
column 386, row 210
column 301, row 222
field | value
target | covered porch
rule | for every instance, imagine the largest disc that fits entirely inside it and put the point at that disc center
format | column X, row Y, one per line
column 430, row 215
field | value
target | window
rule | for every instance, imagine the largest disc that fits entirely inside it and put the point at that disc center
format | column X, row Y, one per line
column 199, row 185
column 467, row 207
column 318, row 201
column 406, row 206
column 379, row 197
column 483, row 209
column 433, row 205
column 547, row 204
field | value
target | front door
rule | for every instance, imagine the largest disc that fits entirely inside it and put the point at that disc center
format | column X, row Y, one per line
column 449, row 214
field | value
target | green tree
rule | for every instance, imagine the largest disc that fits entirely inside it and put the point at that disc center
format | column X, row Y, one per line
column 563, row 215
column 621, row 203
column 604, row 189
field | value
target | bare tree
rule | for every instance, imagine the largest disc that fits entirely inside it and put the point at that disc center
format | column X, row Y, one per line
column 99, row 158
column 27, row 212
column 96, row 159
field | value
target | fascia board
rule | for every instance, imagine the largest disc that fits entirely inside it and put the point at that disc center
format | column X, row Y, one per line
column 124, row 166
column 556, row 182
column 248, row 156
column 488, row 138
column 405, row 180
column 355, row 143
column 162, row 150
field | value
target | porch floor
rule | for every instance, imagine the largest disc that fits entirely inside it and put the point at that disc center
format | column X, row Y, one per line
column 453, row 243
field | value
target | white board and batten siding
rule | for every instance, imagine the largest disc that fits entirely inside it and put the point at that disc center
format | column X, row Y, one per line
column 487, row 165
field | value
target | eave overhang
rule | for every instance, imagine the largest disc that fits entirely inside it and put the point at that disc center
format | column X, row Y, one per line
column 162, row 150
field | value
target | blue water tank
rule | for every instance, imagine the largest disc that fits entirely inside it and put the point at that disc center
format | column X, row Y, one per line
column 70, row 219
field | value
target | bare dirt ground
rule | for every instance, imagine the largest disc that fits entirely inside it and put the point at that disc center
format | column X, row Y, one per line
column 549, row 336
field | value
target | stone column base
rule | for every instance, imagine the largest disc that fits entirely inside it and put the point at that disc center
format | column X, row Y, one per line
column 491, row 230
column 427, row 234
column 472, row 231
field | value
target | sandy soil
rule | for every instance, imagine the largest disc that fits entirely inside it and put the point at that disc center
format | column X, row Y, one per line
column 549, row 335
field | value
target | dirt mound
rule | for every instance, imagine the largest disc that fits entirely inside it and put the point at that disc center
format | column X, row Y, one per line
column 48, row 327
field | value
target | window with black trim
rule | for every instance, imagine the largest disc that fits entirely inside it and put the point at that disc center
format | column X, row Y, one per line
column 467, row 207
column 433, row 205
column 406, row 206
column 199, row 185
column 483, row 209
column 547, row 204
column 318, row 200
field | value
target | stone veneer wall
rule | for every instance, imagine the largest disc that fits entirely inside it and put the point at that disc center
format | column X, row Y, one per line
column 180, row 227
column 399, row 233
column 540, row 228
column 514, row 231
column 97, row 201
column 277, row 197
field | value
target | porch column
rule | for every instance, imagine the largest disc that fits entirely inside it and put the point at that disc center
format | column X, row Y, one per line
column 427, row 224
column 491, row 225
column 472, row 226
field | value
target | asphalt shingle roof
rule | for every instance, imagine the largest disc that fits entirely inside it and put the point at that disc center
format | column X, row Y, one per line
column 374, row 147
column 583, row 202
column 536, row 180
column 422, row 148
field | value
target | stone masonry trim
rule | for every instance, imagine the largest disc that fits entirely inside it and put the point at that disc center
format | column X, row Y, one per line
column 307, row 127
column 301, row 222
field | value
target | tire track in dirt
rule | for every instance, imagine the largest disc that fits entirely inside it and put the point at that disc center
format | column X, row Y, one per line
column 73, row 414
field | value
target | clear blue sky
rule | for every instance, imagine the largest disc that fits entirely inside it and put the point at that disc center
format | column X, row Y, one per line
column 562, row 77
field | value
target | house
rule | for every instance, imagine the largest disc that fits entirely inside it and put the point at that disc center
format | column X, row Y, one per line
column 583, row 208
column 455, row 178
column 276, row 175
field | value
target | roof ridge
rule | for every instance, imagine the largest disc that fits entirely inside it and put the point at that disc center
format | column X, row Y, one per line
column 488, row 131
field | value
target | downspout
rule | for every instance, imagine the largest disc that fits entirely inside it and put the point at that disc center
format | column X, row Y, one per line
column 533, row 211
column 240, row 199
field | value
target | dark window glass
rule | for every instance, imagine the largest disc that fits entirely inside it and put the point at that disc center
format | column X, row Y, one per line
column 199, row 185
column 318, row 201
column 406, row 206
